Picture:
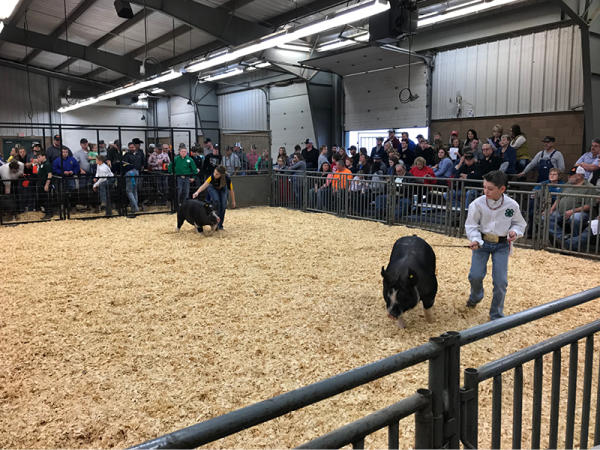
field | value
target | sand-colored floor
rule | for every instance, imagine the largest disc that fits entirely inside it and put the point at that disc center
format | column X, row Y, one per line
column 116, row 331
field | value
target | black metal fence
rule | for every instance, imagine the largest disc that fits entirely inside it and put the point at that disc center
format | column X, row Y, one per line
column 441, row 205
column 445, row 414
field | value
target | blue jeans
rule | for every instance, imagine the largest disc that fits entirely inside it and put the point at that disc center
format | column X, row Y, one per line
column 478, row 270
column 183, row 189
column 104, row 192
column 577, row 221
column 219, row 201
column 131, row 188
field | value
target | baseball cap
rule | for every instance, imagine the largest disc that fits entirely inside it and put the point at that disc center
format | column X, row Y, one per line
column 379, row 139
column 308, row 141
column 101, row 141
column 137, row 141
column 391, row 131
column 469, row 155
column 577, row 170
column 56, row 137
column 548, row 139
column 454, row 132
column 207, row 140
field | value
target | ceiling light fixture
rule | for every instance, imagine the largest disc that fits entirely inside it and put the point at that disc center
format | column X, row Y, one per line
column 294, row 47
column 263, row 64
column 342, row 18
column 170, row 75
column 463, row 12
column 340, row 43
column 7, row 7
column 1, row 26
column 220, row 76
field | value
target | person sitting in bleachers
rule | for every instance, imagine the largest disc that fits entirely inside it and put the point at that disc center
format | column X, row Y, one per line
column 508, row 155
column 571, row 212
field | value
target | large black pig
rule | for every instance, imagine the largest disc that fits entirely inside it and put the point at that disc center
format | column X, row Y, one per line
column 198, row 213
column 409, row 278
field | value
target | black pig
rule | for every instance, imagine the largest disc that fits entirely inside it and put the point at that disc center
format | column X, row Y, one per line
column 409, row 278
column 198, row 213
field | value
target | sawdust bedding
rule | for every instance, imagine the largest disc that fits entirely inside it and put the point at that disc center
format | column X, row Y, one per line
column 117, row 331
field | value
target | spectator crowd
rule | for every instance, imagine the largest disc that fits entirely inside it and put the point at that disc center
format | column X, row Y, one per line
column 157, row 173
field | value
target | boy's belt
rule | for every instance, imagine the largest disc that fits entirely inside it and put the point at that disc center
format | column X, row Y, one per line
column 494, row 239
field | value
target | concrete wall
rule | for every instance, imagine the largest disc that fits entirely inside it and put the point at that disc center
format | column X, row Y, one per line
column 567, row 128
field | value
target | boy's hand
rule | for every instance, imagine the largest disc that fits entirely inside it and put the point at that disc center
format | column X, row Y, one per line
column 474, row 245
column 512, row 236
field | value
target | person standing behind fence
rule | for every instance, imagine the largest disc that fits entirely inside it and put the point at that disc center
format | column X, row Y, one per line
column 131, row 170
column 218, row 185
column 211, row 162
column 185, row 170
column 81, row 155
column 545, row 160
column 231, row 161
column 494, row 221
column 102, row 183
column 45, row 182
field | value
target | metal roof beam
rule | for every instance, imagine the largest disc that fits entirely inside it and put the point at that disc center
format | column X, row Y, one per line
column 218, row 22
column 151, row 45
column 107, row 37
column 75, row 14
column 118, row 63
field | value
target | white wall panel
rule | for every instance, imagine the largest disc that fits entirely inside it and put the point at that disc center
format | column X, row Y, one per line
column 291, row 119
column 182, row 115
column 243, row 111
column 532, row 73
column 103, row 115
column 371, row 100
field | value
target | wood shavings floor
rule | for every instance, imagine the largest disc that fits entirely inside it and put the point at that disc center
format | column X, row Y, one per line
column 116, row 331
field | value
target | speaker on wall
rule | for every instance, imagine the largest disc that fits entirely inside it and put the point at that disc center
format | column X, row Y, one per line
column 395, row 23
column 123, row 9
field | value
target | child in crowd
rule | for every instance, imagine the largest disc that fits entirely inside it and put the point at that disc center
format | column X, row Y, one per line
column 102, row 183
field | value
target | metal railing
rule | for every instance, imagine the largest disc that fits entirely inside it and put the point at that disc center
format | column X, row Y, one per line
column 440, row 205
column 444, row 414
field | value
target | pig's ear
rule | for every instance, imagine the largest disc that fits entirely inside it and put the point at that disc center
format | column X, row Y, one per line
column 382, row 272
column 412, row 277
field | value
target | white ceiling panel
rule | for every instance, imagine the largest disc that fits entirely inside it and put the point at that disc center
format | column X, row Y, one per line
column 108, row 75
column 82, row 34
column 12, row 51
column 263, row 9
column 48, row 60
column 80, row 67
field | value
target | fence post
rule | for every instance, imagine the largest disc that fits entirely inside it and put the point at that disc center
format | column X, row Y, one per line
column 304, row 205
column 438, row 371
column 390, row 209
column 452, row 417
column 424, row 423
column 469, row 415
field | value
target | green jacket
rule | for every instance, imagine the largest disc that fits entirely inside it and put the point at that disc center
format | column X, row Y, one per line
column 184, row 166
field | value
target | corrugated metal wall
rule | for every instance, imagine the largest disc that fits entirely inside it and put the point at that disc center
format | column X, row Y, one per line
column 243, row 111
column 291, row 118
column 371, row 100
column 15, row 103
column 533, row 73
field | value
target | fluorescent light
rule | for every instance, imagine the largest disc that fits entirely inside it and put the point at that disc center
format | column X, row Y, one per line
column 262, row 65
column 294, row 47
column 463, row 12
column 170, row 75
column 1, row 26
column 335, row 44
column 343, row 18
column 340, row 43
column 6, row 8
column 220, row 76
column 142, row 96
column 157, row 91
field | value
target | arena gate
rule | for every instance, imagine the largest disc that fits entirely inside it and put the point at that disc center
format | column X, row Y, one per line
column 445, row 414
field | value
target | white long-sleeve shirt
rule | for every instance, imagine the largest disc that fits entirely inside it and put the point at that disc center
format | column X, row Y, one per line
column 102, row 171
column 484, row 219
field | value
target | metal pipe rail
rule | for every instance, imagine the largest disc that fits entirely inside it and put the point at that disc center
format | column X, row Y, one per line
column 355, row 432
column 537, row 312
column 230, row 423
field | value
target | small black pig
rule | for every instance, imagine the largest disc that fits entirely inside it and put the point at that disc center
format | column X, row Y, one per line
column 409, row 278
column 198, row 213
